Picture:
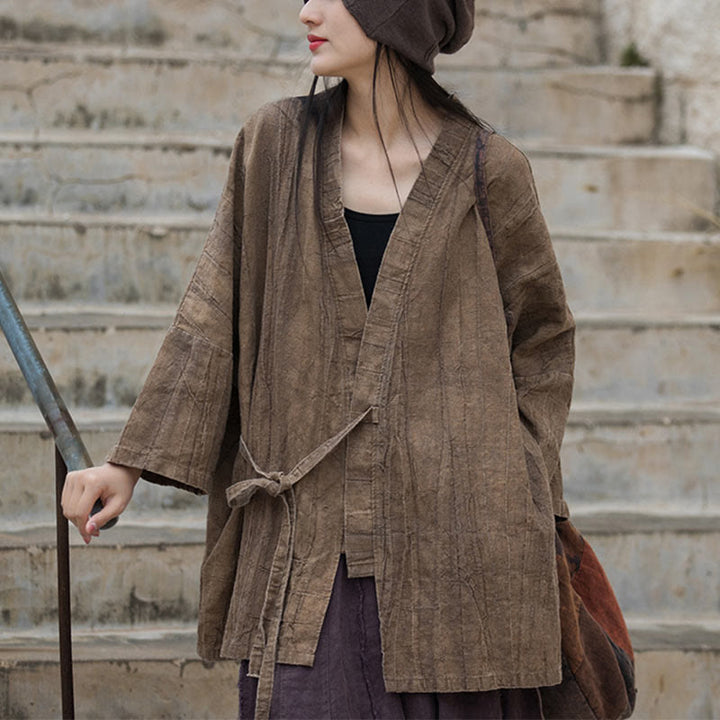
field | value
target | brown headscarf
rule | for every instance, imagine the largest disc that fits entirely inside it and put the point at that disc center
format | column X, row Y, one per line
column 417, row 29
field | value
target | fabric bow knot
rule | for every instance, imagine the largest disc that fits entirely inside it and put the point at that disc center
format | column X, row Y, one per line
column 274, row 483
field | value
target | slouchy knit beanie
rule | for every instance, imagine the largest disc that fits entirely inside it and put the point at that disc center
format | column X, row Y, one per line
column 417, row 29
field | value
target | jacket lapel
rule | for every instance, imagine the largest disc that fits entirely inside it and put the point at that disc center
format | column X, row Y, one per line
column 370, row 333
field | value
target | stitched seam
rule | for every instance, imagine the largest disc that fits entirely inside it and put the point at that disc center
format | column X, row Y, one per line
column 205, row 341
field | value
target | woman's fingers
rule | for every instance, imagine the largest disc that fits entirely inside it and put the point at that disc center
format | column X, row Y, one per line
column 112, row 484
column 73, row 493
column 112, row 507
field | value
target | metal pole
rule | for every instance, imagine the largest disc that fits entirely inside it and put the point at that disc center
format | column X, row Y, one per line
column 63, row 566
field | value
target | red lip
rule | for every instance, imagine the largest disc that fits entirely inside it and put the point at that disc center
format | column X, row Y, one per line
column 315, row 41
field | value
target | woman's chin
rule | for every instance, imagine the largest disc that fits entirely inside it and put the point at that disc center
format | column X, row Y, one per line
column 322, row 68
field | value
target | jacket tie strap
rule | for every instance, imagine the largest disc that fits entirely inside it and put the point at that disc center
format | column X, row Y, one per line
column 278, row 484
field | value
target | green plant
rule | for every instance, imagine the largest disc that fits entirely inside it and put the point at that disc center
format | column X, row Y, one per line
column 631, row 57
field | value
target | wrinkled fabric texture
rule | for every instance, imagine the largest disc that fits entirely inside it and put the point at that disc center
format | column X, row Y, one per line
column 417, row 29
column 458, row 379
column 346, row 679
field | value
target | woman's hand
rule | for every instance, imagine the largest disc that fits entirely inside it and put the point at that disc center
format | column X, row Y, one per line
column 113, row 484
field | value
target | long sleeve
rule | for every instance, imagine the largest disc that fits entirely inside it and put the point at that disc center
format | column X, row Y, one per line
column 541, row 328
column 182, row 417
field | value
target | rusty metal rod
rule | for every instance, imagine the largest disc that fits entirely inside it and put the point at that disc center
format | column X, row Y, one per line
column 64, row 609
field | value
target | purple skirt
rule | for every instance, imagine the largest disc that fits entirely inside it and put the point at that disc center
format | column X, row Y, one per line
column 346, row 680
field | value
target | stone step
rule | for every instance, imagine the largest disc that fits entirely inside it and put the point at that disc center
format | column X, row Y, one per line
column 676, row 683
column 91, row 172
column 147, row 90
column 661, row 562
column 666, row 456
column 645, row 359
column 528, row 34
column 163, row 90
column 625, row 188
column 133, row 574
column 99, row 258
column 580, row 105
column 99, row 356
column 640, row 272
column 148, row 673
column 661, row 455
column 96, row 357
column 156, row 673
column 628, row 188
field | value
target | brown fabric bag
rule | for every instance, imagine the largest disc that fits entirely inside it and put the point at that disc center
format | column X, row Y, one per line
column 598, row 666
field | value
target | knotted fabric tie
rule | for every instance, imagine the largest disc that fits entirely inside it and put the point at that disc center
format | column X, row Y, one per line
column 279, row 484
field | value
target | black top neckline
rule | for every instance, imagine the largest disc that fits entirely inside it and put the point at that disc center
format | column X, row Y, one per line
column 371, row 217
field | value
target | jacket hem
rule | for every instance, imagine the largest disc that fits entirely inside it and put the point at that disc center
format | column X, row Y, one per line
column 474, row 683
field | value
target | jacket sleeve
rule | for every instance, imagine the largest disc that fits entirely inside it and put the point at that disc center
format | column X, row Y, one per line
column 541, row 329
column 183, row 420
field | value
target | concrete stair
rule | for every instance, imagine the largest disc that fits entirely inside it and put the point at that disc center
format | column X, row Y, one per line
column 116, row 121
column 594, row 187
column 535, row 33
column 100, row 355
column 149, row 259
column 154, row 672
column 107, row 87
column 155, row 566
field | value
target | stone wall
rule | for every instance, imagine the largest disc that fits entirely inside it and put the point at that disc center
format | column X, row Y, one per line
column 679, row 38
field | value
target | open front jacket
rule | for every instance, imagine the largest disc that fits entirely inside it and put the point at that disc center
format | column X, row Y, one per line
column 420, row 437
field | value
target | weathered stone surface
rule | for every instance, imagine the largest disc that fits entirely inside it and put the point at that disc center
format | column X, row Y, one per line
column 628, row 188
column 149, row 260
column 678, row 684
column 668, row 456
column 100, row 259
column 533, row 33
column 113, row 682
column 647, row 360
column 114, row 88
column 131, row 574
column 109, row 88
column 640, row 272
column 576, row 105
column 255, row 27
column 526, row 33
column 90, row 173
column 679, row 39
column 95, row 360
column 587, row 187
column 661, row 573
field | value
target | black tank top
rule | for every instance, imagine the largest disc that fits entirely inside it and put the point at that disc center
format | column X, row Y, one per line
column 370, row 235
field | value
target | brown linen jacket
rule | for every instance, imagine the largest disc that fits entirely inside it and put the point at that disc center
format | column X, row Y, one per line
column 446, row 403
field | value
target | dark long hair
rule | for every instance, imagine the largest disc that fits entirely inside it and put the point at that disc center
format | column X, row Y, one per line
column 320, row 108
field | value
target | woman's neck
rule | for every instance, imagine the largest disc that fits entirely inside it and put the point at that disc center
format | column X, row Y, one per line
column 402, row 117
column 380, row 168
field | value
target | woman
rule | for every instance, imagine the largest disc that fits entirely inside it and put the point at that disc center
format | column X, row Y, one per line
column 405, row 566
